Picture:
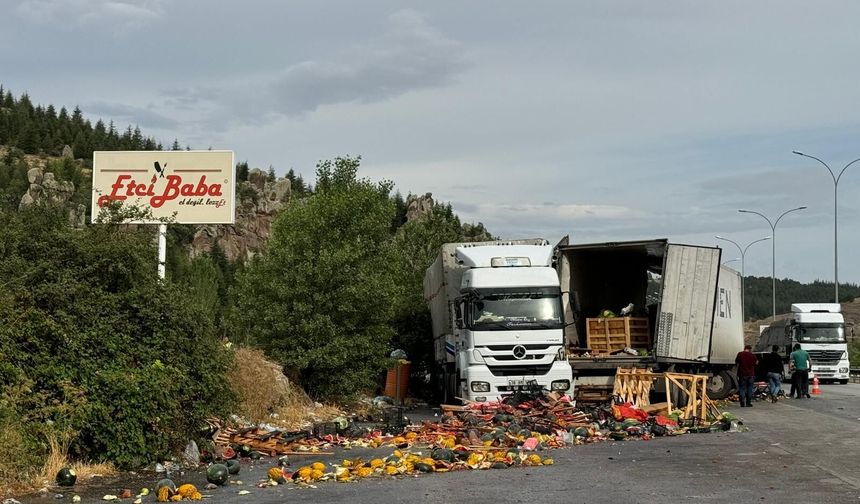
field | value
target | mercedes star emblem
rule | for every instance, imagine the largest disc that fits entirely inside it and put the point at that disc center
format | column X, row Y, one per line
column 519, row 351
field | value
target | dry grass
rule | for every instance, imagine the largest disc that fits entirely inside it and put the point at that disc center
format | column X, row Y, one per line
column 58, row 457
column 259, row 384
column 14, row 474
column 21, row 480
column 267, row 395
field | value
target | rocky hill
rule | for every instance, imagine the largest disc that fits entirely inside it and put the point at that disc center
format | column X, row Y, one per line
column 258, row 203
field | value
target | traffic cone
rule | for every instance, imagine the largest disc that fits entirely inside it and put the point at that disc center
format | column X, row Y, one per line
column 815, row 389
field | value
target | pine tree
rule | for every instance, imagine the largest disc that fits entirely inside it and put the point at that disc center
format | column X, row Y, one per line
column 242, row 171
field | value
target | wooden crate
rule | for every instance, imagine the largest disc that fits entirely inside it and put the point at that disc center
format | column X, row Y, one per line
column 607, row 335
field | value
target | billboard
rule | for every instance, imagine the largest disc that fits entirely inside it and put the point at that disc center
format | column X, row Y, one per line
column 187, row 187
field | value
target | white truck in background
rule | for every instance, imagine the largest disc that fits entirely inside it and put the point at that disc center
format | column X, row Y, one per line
column 819, row 328
column 692, row 304
column 497, row 320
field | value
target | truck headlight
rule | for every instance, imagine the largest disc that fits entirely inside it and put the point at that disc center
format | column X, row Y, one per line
column 480, row 386
column 843, row 370
column 559, row 385
column 561, row 355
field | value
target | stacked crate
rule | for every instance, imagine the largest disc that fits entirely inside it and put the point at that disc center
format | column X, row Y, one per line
column 608, row 335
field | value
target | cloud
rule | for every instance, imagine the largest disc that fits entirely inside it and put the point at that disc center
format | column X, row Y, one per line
column 123, row 114
column 115, row 15
column 409, row 55
column 546, row 219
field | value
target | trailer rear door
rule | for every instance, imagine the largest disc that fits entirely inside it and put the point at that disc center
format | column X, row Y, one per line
column 686, row 313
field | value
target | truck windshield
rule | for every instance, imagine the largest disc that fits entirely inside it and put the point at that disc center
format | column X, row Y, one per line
column 516, row 310
column 820, row 333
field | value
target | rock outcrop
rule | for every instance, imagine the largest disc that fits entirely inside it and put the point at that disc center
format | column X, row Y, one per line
column 258, row 203
column 417, row 206
column 45, row 188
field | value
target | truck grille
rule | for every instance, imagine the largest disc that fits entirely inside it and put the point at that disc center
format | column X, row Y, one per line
column 520, row 370
column 508, row 348
column 826, row 357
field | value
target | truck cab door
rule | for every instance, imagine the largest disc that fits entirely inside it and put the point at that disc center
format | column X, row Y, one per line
column 562, row 268
column 686, row 314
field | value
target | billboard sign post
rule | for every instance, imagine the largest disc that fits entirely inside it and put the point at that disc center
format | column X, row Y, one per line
column 183, row 187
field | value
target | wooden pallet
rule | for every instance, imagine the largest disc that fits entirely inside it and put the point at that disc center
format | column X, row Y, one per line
column 634, row 385
column 271, row 443
column 607, row 335
column 592, row 394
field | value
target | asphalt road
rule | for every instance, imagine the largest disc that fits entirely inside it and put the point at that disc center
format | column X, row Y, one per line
column 796, row 451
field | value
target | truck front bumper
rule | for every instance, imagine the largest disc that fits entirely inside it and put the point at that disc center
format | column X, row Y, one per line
column 482, row 385
column 835, row 372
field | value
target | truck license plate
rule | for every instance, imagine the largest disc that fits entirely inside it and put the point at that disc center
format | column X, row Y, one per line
column 516, row 383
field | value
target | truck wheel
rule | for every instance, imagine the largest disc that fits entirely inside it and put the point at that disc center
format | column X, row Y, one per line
column 843, row 382
column 720, row 385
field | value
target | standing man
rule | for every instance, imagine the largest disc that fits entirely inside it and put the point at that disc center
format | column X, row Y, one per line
column 746, row 362
column 773, row 367
column 800, row 360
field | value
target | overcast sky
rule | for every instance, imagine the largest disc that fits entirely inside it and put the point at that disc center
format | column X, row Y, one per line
column 608, row 121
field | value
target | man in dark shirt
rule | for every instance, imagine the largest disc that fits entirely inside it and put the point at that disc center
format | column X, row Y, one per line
column 746, row 362
column 772, row 364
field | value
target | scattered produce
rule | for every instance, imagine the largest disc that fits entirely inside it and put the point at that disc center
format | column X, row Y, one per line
column 217, row 474
column 66, row 477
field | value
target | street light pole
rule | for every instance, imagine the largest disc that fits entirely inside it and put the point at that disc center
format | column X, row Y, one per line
column 835, row 211
column 743, row 252
column 773, row 242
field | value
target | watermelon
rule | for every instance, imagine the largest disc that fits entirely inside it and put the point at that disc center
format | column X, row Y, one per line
column 217, row 474
column 255, row 455
column 244, row 451
column 488, row 437
column 422, row 467
column 442, row 454
column 229, row 453
column 499, row 465
column 618, row 435
column 233, row 466
column 581, row 432
column 514, row 428
column 659, row 430
column 502, row 417
column 630, row 422
column 66, row 477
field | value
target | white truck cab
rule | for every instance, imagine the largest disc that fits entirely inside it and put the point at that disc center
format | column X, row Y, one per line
column 497, row 320
column 819, row 328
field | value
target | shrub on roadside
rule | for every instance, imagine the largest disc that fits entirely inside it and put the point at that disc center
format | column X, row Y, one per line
column 127, row 363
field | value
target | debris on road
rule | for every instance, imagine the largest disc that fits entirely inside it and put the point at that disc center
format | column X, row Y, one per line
column 515, row 431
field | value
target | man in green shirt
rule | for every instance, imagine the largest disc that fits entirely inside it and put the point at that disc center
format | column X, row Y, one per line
column 800, row 362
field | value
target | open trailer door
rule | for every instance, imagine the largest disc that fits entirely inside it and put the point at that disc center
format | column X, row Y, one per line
column 686, row 314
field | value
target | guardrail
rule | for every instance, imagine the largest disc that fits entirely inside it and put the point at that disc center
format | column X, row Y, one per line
column 855, row 374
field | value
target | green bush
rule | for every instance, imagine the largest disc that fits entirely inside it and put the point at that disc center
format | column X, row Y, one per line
column 321, row 300
column 128, row 363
